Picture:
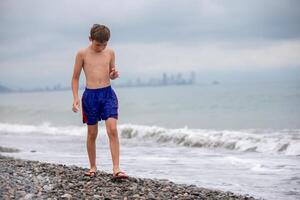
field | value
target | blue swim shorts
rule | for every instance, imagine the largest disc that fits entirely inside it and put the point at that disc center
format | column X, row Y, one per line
column 99, row 104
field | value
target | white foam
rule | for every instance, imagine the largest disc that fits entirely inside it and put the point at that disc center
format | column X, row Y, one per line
column 293, row 148
column 241, row 162
column 253, row 164
column 44, row 128
column 254, row 140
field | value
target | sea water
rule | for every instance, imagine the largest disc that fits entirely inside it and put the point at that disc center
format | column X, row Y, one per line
column 243, row 138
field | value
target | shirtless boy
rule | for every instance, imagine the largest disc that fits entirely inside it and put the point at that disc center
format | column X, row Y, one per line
column 99, row 100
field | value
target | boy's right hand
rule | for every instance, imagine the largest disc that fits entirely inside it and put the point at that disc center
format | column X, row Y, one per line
column 75, row 107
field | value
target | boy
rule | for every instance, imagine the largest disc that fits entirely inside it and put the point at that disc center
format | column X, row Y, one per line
column 99, row 101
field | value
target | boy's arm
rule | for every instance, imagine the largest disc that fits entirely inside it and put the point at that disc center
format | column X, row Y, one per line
column 75, row 80
column 113, row 73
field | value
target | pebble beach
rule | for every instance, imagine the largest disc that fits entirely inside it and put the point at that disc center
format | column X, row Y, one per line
column 26, row 179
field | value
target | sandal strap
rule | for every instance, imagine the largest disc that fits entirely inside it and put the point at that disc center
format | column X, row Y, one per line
column 90, row 172
column 119, row 173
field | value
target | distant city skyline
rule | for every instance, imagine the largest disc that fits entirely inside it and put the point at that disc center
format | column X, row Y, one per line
column 164, row 80
column 204, row 78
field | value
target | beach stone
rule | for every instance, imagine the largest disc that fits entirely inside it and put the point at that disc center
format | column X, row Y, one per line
column 150, row 195
column 133, row 186
column 28, row 196
column 96, row 196
column 113, row 196
column 47, row 188
column 21, row 193
column 135, row 195
column 40, row 178
column 68, row 196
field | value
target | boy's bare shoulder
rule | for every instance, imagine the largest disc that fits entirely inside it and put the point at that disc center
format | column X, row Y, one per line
column 81, row 52
column 110, row 50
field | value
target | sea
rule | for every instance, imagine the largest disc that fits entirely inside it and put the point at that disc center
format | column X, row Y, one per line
column 239, row 137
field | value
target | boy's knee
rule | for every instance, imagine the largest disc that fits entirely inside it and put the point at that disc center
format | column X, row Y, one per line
column 92, row 133
column 112, row 131
column 92, row 136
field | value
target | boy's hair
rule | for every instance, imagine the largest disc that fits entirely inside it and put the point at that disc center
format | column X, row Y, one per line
column 100, row 33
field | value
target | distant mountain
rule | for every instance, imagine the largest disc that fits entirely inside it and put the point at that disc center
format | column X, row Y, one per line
column 4, row 89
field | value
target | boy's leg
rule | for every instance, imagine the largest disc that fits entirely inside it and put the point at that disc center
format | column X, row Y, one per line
column 112, row 132
column 91, row 145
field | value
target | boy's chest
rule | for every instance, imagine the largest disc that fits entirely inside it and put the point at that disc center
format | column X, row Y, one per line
column 96, row 61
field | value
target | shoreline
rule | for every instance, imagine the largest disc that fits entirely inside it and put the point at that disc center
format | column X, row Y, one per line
column 20, row 178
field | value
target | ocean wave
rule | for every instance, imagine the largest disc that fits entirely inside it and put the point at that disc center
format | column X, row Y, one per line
column 285, row 141
column 44, row 128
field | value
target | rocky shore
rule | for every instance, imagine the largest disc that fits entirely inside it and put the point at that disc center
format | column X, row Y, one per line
column 24, row 179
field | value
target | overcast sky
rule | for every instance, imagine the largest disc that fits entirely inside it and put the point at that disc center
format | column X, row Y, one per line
column 39, row 39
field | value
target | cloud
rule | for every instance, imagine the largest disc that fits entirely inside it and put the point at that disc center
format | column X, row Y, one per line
column 218, row 55
column 141, row 58
column 155, row 20
column 40, row 38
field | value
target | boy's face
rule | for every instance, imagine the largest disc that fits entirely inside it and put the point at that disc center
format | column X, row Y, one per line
column 98, row 46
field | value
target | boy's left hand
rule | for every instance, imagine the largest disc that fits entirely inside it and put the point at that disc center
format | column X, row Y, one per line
column 114, row 74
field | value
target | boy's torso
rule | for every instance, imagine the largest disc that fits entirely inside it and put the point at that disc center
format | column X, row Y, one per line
column 96, row 67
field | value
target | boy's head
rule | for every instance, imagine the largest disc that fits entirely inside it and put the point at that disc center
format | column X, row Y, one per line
column 99, row 36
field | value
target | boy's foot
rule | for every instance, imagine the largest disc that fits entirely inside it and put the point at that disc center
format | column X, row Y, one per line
column 120, row 175
column 90, row 173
